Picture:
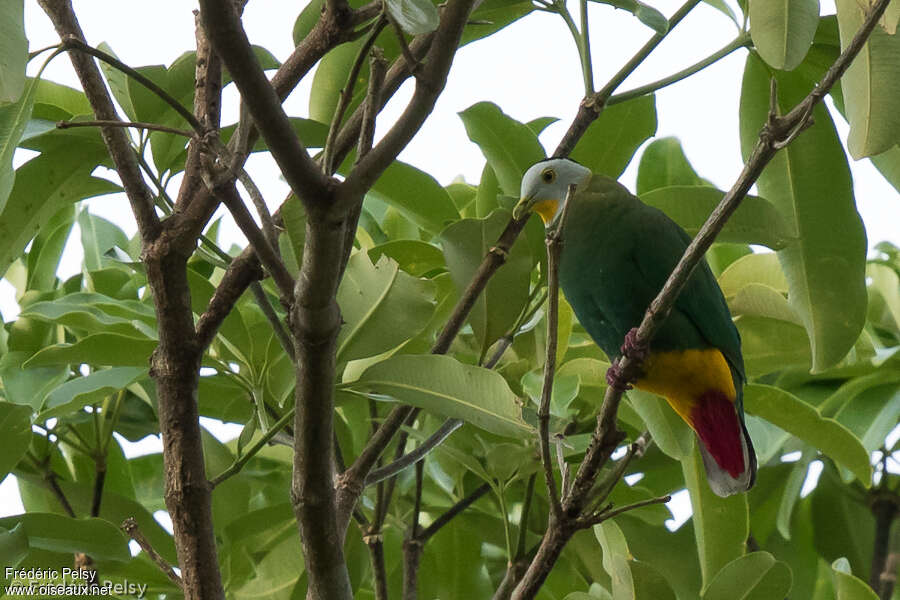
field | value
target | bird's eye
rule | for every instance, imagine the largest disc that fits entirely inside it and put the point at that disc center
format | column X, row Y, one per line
column 548, row 176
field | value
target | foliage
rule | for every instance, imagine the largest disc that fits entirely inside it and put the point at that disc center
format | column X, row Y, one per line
column 820, row 325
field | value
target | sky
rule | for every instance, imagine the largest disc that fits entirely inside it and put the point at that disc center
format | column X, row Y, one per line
column 530, row 69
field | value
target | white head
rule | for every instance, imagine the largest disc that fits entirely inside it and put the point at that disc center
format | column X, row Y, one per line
column 545, row 185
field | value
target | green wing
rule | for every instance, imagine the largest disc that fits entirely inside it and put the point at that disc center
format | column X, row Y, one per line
column 617, row 254
column 701, row 303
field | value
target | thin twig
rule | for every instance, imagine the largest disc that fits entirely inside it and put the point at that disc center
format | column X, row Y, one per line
column 590, row 520
column 73, row 43
column 453, row 511
column 130, row 527
column 593, row 105
column 554, row 247
column 268, row 255
column 116, row 123
column 414, row 456
column 51, row 478
column 377, row 68
column 404, row 47
column 226, row 33
column 523, row 521
column 252, row 451
column 281, row 334
column 741, row 41
column 99, row 480
column 347, row 95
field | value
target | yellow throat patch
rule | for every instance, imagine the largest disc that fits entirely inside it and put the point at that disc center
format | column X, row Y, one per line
column 547, row 210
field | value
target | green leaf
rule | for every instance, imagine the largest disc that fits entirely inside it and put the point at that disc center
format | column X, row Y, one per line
column 611, row 140
column 95, row 313
column 28, row 386
column 783, row 30
column 509, row 146
column 110, row 349
column 416, row 258
column 631, row 579
column 872, row 406
column 758, row 300
column 381, row 305
column 98, row 538
column 70, row 101
column 871, row 85
column 464, row 576
column 664, row 164
column 802, row 420
column 755, row 576
column 493, row 15
column 13, row 120
column 417, row 196
column 329, row 80
column 760, row 268
column 755, row 221
column 565, row 390
column 118, row 83
column 13, row 545
column 15, row 423
column 724, row 9
column 846, row 586
column 721, row 525
column 311, row 133
column 275, row 573
column 792, row 489
column 81, row 391
column 669, row 431
column 415, row 17
column 447, row 387
column 46, row 250
column 645, row 13
column 43, row 186
column 615, row 558
column 465, row 243
column 886, row 285
column 825, row 267
column 13, row 50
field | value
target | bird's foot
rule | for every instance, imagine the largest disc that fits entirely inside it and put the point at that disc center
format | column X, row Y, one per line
column 634, row 348
column 615, row 379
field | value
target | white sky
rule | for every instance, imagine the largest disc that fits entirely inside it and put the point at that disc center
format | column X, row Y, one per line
column 529, row 69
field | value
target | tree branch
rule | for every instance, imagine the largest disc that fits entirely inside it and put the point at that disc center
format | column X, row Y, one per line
column 268, row 255
column 243, row 270
column 453, row 511
column 227, row 36
column 347, row 95
column 207, row 109
column 554, row 243
column 117, row 123
column 593, row 105
column 253, row 450
column 116, row 140
column 430, row 81
column 130, row 527
column 414, row 456
column 175, row 363
column 741, row 41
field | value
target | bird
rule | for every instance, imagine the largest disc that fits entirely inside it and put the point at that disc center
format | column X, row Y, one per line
column 616, row 255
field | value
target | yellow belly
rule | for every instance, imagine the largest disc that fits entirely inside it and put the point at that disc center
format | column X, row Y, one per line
column 683, row 376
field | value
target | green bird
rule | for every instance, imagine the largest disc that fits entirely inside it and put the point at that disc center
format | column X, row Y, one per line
column 617, row 253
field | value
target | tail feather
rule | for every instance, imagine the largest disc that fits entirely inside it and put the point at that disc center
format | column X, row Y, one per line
column 725, row 445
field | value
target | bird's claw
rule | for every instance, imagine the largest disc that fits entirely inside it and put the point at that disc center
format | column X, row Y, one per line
column 634, row 348
column 615, row 379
